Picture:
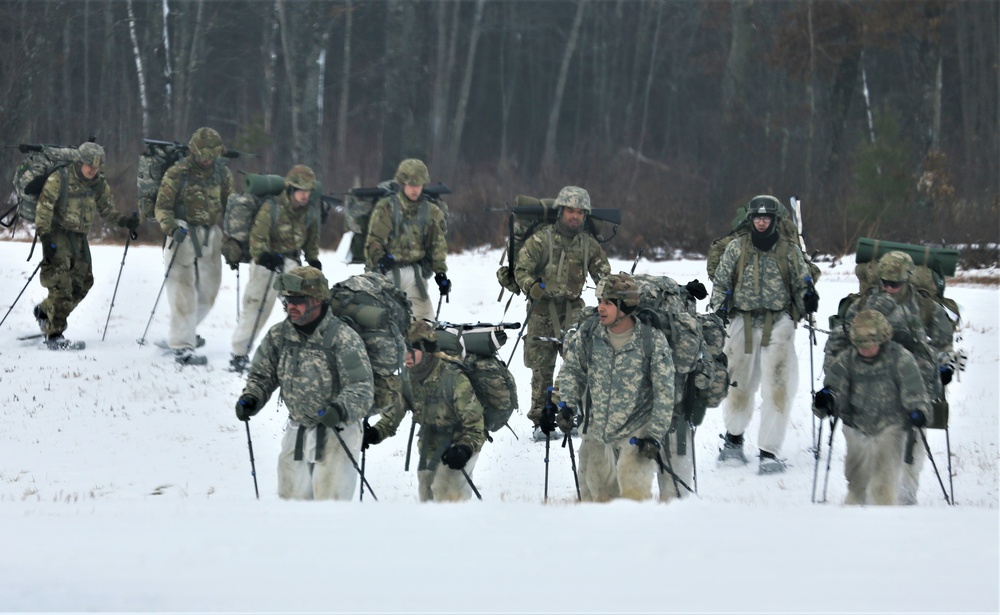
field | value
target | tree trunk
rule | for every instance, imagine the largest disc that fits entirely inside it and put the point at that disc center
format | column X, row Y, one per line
column 549, row 153
column 463, row 96
column 345, row 87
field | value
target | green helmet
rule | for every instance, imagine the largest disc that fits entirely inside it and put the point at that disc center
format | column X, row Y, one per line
column 206, row 145
column 573, row 196
column 300, row 177
column 308, row 281
column 91, row 154
column 763, row 205
column 422, row 335
column 895, row 266
column 620, row 289
column 412, row 172
column 869, row 329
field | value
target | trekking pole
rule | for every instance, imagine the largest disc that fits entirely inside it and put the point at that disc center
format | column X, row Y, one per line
column 638, row 255
column 347, row 451
column 520, row 334
column 694, row 458
column 437, row 315
column 816, row 457
column 253, row 467
column 568, row 439
column 30, row 278
column 142, row 340
column 927, row 448
column 471, row 484
column 829, row 456
column 361, row 498
column 951, row 484
column 811, row 325
column 237, row 293
column 546, row 492
column 260, row 312
column 409, row 444
column 118, row 281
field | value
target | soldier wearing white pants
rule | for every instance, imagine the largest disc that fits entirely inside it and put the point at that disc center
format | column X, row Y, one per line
column 192, row 286
column 313, row 465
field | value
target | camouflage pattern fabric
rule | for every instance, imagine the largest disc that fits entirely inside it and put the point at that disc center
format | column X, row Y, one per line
column 293, row 231
column 84, row 199
column 92, row 154
column 540, row 356
column 194, row 194
column 409, row 242
column 624, row 392
column 443, row 422
column 874, row 394
column 68, row 276
column 412, row 172
column 312, row 375
column 573, row 196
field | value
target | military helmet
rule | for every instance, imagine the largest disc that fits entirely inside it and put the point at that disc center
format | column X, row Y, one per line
column 91, row 154
column 422, row 335
column 206, row 145
column 869, row 329
column 300, row 177
column 619, row 288
column 412, row 172
column 895, row 266
column 308, row 281
column 573, row 196
column 763, row 205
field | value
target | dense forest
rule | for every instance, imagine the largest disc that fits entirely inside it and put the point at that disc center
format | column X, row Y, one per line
column 882, row 116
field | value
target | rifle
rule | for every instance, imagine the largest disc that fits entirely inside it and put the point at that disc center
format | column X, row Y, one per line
column 432, row 190
column 182, row 148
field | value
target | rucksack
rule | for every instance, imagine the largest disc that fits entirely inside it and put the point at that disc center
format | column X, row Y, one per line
column 29, row 179
column 358, row 211
column 708, row 383
column 154, row 162
column 242, row 208
column 474, row 350
column 528, row 216
column 380, row 313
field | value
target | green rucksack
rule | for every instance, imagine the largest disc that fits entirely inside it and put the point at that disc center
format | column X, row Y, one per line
column 154, row 162
column 473, row 348
column 380, row 313
column 29, row 179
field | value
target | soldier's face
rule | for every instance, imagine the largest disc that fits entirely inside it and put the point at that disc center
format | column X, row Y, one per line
column 413, row 191
column 869, row 352
column 890, row 286
column 573, row 217
column 608, row 312
column 301, row 197
column 88, row 171
column 302, row 310
column 761, row 223
column 414, row 357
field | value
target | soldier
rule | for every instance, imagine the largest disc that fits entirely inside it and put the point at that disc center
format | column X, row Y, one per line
column 282, row 230
column 406, row 239
column 552, row 268
column 877, row 391
column 761, row 285
column 450, row 418
column 896, row 299
column 66, row 206
column 618, row 379
column 326, row 382
column 191, row 202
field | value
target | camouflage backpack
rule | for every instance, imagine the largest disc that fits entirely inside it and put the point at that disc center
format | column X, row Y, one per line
column 29, row 179
column 380, row 313
column 708, row 383
column 474, row 350
column 360, row 203
column 154, row 162
column 242, row 208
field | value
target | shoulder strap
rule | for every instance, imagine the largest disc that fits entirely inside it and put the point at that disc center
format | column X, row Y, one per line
column 63, row 178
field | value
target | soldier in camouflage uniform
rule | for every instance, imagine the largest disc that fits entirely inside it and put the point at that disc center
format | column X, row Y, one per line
column 190, row 204
column 618, row 384
column 406, row 239
column 552, row 269
column 450, row 418
column 326, row 383
column 69, row 200
column 896, row 299
column 761, row 285
column 282, row 231
column 878, row 392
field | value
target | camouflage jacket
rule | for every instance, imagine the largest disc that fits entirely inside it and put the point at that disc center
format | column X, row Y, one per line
column 83, row 200
column 197, row 196
column 624, row 392
column 903, row 313
column 444, row 421
column 871, row 395
column 295, row 229
column 313, row 371
column 764, row 284
column 561, row 261
column 414, row 233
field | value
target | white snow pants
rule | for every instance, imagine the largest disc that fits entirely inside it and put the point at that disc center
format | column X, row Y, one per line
column 681, row 465
column 874, row 465
column 192, row 283
column 410, row 282
column 442, row 484
column 774, row 369
column 257, row 303
column 332, row 477
column 609, row 471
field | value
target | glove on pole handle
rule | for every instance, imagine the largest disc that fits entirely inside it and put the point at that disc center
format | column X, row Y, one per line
column 253, row 467
column 117, row 282
column 30, row 278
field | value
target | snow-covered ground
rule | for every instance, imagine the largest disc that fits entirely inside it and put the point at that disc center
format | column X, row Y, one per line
column 125, row 485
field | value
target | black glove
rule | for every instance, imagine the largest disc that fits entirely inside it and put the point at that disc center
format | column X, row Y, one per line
column 131, row 223
column 246, row 407
column 444, row 284
column 372, row 436
column 332, row 416
column 456, row 456
column 696, row 289
column 810, row 301
column 947, row 372
column 648, row 447
column 566, row 419
column 547, row 422
column 387, row 262
column 918, row 418
column 178, row 235
column 313, row 262
column 272, row 261
column 823, row 403
column 48, row 247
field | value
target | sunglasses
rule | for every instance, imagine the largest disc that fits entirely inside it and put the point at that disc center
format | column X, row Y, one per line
column 294, row 300
column 891, row 284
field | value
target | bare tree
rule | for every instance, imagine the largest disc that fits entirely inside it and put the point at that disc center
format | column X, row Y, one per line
column 549, row 153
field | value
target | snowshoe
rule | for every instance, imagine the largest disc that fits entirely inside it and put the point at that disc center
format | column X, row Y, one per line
column 769, row 464
column 732, row 449
column 539, row 436
column 186, row 356
column 58, row 342
column 238, row 363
